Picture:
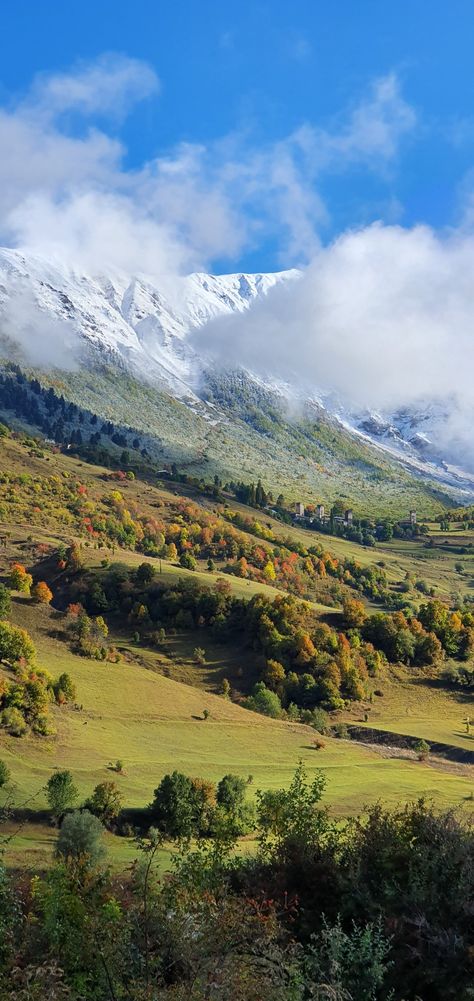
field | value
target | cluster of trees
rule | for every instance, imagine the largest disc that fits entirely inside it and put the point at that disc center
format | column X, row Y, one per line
column 88, row 634
column 435, row 632
column 374, row 908
column 105, row 802
column 25, row 700
column 63, row 421
column 186, row 807
column 185, row 532
column 304, row 662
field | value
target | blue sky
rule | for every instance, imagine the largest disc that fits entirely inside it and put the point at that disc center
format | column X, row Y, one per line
column 276, row 126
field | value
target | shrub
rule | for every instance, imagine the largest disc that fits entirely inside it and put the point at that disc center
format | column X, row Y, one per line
column 340, row 730
column 4, row 774
column 264, row 701
column 42, row 727
column 19, row 579
column 5, row 602
column 64, row 686
column 199, row 655
column 422, row 749
column 15, row 645
column 13, row 721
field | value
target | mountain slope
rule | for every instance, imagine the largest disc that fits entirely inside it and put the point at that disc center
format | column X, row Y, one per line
column 122, row 348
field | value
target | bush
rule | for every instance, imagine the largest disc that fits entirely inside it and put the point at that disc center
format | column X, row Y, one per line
column 5, row 602
column 199, row 655
column 4, row 774
column 422, row 749
column 340, row 730
column 64, row 686
column 264, row 701
column 13, row 721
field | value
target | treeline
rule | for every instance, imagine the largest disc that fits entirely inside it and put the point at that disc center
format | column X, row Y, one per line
column 373, row 908
column 58, row 419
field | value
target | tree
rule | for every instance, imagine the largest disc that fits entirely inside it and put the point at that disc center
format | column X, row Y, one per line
column 422, row 749
column 231, row 792
column 264, row 701
column 354, row 613
column 74, row 557
column 291, row 822
column 19, row 579
column 80, row 839
column 61, row 793
column 187, row 561
column 42, row 593
column 64, row 688
column 4, row 774
column 225, row 688
column 5, row 602
column 175, row 807
column 172, row 552
column 145, row 573
column 234, row 815
column 15, row 645
column 106, row 802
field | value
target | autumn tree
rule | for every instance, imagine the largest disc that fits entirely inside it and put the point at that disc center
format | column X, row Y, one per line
column 19, row 579
column 106, row 802
column 42, row 593
column 15, row 645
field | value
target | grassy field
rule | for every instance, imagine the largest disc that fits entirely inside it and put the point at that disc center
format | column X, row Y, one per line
column 155, row 724
column 415, row 704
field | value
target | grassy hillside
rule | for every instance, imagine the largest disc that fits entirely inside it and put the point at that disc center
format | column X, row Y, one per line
column 243, row 434
column 148, row 709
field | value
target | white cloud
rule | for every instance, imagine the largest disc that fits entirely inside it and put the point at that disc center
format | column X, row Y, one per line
column 384, row 317
column 112, row 84
column 73, row 196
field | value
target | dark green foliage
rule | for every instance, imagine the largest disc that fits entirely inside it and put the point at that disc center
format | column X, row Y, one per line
column 5, row 602
column 176, row 808
column 4, row 774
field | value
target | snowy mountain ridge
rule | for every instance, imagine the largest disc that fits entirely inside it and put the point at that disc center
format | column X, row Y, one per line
column 145, row 326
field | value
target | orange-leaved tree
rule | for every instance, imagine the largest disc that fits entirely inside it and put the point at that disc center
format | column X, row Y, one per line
column 42, row 593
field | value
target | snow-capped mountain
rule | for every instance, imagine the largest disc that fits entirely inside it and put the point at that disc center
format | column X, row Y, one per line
column 60, row 315
column 142, row 323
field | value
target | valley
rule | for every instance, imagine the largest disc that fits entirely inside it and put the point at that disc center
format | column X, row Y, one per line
column 148, row 708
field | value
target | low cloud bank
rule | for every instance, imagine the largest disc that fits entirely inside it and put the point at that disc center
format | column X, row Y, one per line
column 384, row 317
